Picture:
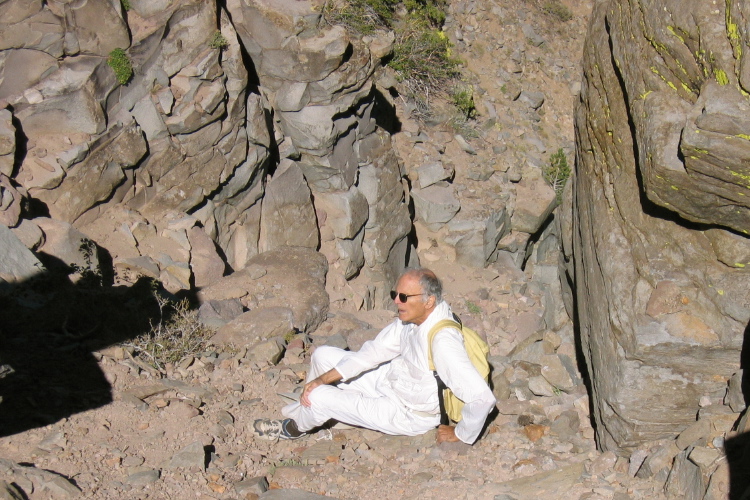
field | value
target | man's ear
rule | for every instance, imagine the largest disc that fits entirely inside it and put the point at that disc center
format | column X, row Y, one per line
column 430, row 302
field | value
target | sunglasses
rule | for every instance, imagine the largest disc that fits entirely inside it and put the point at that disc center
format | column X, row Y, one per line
column 402, row 297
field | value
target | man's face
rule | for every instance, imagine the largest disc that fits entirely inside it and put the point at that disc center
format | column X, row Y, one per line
column 415, row 309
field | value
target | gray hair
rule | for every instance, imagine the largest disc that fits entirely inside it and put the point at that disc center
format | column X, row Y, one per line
column 428, row 280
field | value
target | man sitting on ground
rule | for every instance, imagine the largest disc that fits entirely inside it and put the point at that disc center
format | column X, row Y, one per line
column 387, row 385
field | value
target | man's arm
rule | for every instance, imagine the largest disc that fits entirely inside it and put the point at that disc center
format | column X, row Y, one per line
column 330, row 377
column 456, row 370
column 383, row 348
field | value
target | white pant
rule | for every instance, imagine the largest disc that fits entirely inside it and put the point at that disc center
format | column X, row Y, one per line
column 357, row 402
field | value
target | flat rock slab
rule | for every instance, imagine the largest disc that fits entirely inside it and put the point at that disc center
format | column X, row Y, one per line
column 291, row 494
column 548, row 484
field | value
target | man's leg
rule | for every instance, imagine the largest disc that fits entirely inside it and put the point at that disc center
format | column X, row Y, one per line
column 358, row 402
column 323, row 359
column 350, row 406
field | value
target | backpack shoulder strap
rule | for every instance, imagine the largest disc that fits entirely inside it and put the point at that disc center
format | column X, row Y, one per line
column 445, row 323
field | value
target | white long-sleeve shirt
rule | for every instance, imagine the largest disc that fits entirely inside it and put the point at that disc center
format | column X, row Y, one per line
column 409, row 379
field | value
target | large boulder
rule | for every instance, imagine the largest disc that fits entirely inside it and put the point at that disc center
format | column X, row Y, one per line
column 193, row 131
column 319, row 81
column 289, row 281
column 30, row 25
column 87, row 183
column 17, row 263
column 7, row 142
column 288, row 216
column 660, row 144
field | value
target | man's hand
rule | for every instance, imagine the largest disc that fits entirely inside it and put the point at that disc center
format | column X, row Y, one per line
column 304, row 399
column 446, row 433
column 330, row 377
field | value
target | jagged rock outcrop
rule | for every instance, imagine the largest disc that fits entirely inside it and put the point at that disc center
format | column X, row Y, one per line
column 657, row 243
column 318, row 82
column 255, row 124
column 201, row 161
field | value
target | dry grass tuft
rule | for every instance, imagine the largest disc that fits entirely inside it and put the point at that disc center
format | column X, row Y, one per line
column 177, row 335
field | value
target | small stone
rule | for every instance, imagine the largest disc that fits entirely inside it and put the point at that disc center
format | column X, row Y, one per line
column 603, row 463
column 693, row 433
column 465, row 146
column 10, row 491
column 216, row 487
column 636, row 460
column 132, row 461
column 421, row 477
column 704, row 457
column 143, row 477
column 193, row 455
column 60, row 487
column 535, row 432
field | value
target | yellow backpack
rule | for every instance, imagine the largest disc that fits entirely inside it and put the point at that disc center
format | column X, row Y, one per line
column 478, row 351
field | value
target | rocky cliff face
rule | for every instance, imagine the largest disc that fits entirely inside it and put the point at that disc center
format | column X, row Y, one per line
column 244, row 128
column 241, row 131
column 659, row 247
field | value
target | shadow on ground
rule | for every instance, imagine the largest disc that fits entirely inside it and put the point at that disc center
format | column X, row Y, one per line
column 48, row 330
column 738, row 447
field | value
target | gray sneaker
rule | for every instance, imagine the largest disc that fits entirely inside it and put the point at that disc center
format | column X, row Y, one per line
column 273, row 429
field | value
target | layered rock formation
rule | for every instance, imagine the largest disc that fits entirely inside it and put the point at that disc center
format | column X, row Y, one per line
column 241, row 131
column 658, row 243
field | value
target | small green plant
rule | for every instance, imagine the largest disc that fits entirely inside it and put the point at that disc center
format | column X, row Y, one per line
column 120, row 63
column 557, row 172
column 558, row 10
column 432, row 10
column 125, row 5
column 289, row 462
column 289, row 336
column 463, row 99
column 218, row 41
column 473, row 308
column 178, row 334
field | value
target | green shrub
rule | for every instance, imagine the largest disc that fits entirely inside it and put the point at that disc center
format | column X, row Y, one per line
column 125, row 5
column 558, row 10
column 432, row 10
column 473, row 308
column 360, row 16
column 218, row 41
column 421, row 55
column 463, row 99
column 120, row 63
column 557, row 172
